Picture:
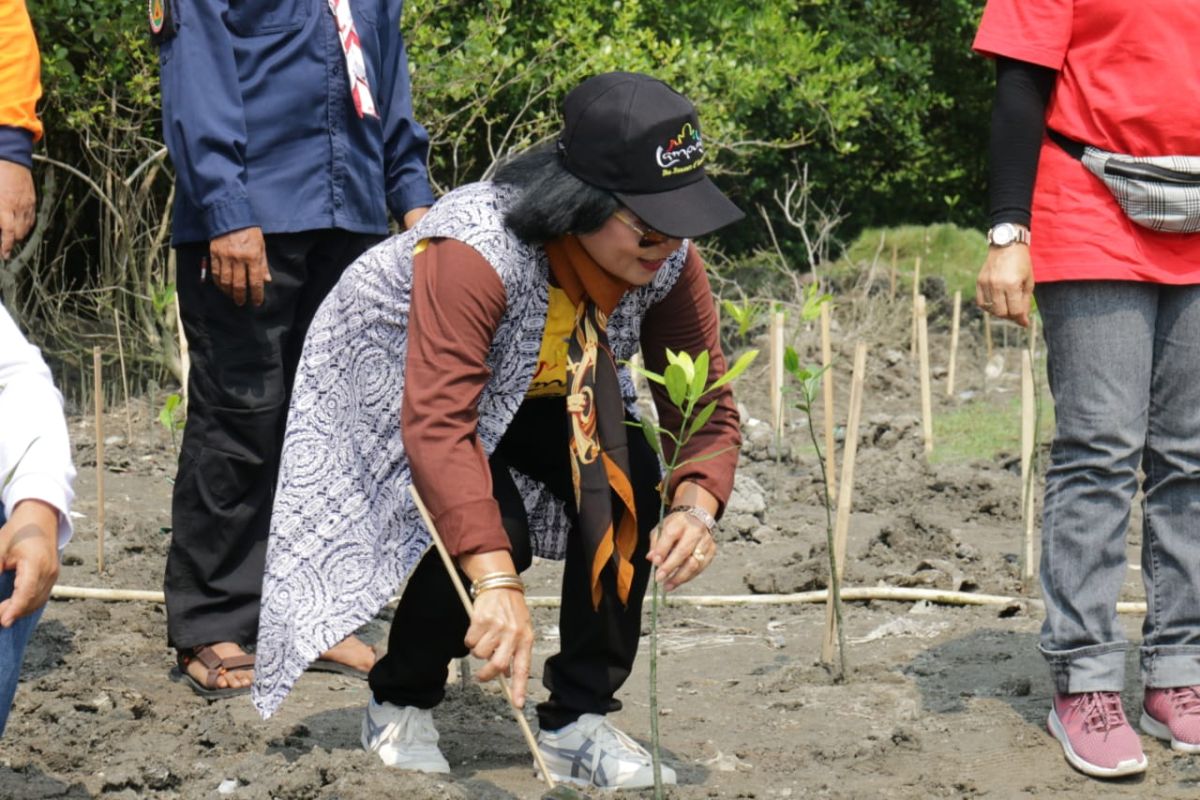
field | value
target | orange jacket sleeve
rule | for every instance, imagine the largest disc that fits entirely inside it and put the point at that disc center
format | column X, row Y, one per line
column 20, row 69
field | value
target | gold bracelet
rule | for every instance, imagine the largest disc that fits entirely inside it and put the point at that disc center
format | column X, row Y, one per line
column 497, row 580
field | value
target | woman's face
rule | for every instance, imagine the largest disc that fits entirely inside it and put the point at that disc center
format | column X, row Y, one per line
column 627, row 248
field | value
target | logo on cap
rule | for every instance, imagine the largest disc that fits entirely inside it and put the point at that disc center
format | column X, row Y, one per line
column 157, row 15
column 683, row 153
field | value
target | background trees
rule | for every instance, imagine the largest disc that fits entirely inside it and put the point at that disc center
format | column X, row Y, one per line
column 878, row 102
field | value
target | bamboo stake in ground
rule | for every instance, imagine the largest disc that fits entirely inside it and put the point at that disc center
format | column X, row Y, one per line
column 987, row 334
column 916, row 292
column 185, row 362
column 926, row 389
column 452, row 570
column 98, row 396
column 827, row 377
column 834, row 633
column 124, row 380
column 777, row 373
column 892, row 277
column 953, row 344
column 1028, row 423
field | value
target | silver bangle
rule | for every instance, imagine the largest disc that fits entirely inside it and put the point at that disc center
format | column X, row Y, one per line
column 696, row 512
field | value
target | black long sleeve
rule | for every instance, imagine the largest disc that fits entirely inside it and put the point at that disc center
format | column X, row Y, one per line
column 1018, row 122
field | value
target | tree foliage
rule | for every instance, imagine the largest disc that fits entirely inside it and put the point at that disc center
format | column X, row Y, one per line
column 880, row 99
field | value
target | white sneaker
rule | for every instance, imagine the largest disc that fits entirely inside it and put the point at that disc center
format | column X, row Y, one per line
column 592, row 752
column 403, row 737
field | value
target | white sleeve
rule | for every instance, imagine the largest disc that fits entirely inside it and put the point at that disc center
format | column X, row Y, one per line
column 35, row 453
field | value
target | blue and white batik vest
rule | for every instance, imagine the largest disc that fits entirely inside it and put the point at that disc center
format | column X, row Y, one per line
column 344, row 531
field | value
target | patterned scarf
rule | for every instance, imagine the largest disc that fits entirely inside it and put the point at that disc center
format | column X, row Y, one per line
column 599, row 449
column 356, row 68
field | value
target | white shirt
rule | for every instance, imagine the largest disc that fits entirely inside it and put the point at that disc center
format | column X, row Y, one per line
column 34, row 446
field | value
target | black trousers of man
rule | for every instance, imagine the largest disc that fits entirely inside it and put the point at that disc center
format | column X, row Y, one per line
column 243, row 362
column 597, row 647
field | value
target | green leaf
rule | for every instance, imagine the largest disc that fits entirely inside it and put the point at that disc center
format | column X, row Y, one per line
column 677, row 384
column 739, row 366
column 650, row 376
column 699, row 376
column 791, row 359
column 702, row 418
column 650, row 431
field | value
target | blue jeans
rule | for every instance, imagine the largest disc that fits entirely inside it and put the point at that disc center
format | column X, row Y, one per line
column 1124, row 368
column 12, row 648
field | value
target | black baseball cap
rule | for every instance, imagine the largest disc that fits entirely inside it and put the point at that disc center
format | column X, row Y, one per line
column 636, row 137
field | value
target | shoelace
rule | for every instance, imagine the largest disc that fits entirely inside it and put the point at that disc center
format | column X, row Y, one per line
column 1185, row 699
column 1101, row 711
column 605, row 734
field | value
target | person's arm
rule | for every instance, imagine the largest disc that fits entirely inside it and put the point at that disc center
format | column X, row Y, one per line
column 686, row 320
column 206, row 126
column 20, row 88
column 457, row 303
column 1023, row 90
column 36, row 473
column 405, row 142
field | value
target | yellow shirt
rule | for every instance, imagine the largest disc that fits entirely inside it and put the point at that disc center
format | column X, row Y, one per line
column 550, row 377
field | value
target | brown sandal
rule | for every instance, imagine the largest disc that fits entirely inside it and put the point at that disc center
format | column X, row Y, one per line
column 215, row 666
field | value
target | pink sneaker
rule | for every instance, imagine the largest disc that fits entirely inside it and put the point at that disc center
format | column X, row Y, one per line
column 1174, row 715
column 1095, row 736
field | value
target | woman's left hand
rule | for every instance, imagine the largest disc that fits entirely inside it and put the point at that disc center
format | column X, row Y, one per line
column 680, row 548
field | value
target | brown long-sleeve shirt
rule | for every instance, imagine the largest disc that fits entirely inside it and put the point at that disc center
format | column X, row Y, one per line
column 457, row 302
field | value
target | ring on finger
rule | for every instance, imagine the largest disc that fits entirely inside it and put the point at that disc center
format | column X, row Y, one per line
column 699, row 554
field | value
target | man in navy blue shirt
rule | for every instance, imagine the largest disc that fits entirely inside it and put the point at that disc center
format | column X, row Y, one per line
column 289, row 123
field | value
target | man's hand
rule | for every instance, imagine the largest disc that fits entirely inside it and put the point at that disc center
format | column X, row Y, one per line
column 29, row 545
column 17, row 201
column 239, row 263
column 1005, row 283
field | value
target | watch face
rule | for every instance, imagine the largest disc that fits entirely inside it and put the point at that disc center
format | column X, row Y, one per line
column 1004, row 234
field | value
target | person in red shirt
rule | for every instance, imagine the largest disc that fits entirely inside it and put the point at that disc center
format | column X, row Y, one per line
column 1121, row 309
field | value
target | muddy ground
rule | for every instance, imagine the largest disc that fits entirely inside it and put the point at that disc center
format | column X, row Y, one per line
column 941, row 701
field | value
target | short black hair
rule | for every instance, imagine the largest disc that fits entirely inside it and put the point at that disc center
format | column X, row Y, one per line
column 551, row 202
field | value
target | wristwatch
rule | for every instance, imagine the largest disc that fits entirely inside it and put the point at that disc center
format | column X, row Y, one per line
column 1007, row 233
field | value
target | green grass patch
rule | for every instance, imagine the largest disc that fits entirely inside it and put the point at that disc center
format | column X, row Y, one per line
column 984, row 427
column 946, row 250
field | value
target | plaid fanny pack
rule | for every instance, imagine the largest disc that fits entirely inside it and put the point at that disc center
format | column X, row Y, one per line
column 1161, row 193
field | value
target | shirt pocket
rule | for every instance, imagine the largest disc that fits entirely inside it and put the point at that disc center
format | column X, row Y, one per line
column 261, row 17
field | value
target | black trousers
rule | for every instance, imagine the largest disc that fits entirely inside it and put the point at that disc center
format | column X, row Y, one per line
column 598, row 647
column 243, row 362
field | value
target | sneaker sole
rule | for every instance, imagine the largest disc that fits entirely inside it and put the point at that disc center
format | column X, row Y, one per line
column 568, row 781
column 1160, row 731
column 1123, row 768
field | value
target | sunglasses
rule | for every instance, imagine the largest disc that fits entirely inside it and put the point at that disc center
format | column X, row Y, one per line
column 649, row 236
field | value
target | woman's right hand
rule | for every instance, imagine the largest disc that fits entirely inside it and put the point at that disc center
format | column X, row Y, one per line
column 501, row 634
column 1005, row 283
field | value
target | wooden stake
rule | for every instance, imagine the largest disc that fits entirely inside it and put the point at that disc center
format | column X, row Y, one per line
column 124, row 381
column 841, row 524
column 98, row 396
column 892, row 277
column 452, row 570
column 777, row 372
column 899, row 594
column 185, row 363
column 826, row 362
column 926, row 389
column 1028, row 423
column 953, row 344
column 915, row 294
column 987, row 334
